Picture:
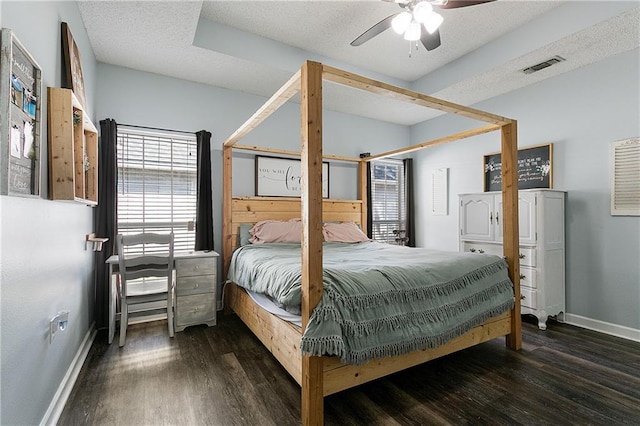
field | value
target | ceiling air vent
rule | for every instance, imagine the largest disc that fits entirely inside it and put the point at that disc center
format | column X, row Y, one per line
column 543, row 65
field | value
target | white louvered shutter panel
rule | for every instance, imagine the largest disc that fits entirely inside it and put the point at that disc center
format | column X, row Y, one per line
column 388, row 201
column 157, row 184
column 625, row 178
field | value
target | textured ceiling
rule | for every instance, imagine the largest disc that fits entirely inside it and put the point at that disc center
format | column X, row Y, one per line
column 255, row 46
column 327, row 28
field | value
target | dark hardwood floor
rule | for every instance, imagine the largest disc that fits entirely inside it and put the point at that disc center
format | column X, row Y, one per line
column 223, row 375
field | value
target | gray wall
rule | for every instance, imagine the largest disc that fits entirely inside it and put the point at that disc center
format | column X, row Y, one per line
column 44, row 265
column 45, row 268
column 581, row 113
column 139, row 98
column 134, row 97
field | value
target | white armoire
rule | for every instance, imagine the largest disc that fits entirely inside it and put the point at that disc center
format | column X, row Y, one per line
column 542, row 256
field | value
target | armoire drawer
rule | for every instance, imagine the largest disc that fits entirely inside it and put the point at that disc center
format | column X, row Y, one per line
column 528, row 277
column 495, row 249
column 527, row 256
column 529, row 298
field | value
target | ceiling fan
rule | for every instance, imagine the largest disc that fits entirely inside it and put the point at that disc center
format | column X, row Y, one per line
column 418, row 21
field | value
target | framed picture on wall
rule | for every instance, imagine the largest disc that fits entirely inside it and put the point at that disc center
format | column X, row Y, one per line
column 535, row 168
column 72, row 65
column 281, row 177
column 20, row 119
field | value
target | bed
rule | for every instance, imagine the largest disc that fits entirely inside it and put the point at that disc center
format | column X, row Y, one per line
column 319, row 376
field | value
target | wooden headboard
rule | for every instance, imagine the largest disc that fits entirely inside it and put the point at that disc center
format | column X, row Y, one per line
column 254, row 209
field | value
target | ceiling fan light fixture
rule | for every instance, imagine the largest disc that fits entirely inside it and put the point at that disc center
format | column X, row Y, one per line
column 433, row 22
column 413, row 32
column 422, row 11
column 401, row 22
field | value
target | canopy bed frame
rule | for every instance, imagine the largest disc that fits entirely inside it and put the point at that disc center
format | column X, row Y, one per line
column 322, row 376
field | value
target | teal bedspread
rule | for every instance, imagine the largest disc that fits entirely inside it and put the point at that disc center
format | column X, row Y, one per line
column 379, row 299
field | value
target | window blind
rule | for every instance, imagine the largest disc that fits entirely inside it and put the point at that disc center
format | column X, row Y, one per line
column 388, row 201
column 625, row 181
column 157, row 184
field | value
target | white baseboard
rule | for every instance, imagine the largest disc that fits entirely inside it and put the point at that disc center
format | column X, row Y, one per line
column 64, row 390
column 603, row 327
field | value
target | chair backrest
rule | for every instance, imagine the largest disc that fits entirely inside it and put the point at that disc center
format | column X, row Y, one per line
column 157, row 261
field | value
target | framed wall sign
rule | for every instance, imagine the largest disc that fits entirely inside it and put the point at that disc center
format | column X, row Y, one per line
column 439, row 192
column 281, row 177
column 72, row 65
column 535, row 168
column 20, row 119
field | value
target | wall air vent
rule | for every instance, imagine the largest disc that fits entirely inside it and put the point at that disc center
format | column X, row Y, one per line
column 543, row 65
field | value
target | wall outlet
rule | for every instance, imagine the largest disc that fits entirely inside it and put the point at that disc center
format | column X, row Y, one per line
column 58, row 324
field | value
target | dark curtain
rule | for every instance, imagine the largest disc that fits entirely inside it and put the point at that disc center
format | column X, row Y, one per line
column 105, row 216
column 408, row 186
column 369, row 203
column 369, row 229
column 204, row 206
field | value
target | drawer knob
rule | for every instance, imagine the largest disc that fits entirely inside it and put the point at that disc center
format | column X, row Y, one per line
column 522, row 297
column 472, row 250
column 522, row 256
column 480, row 251
column 197, row 285
column 522, row 277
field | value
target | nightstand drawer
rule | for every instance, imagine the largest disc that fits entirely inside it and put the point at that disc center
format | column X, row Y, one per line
column 196, row 285
column 196, row 309
column 193, row 267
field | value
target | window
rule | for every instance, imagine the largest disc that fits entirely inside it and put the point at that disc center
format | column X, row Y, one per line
column 388, row 205
column 157, row 183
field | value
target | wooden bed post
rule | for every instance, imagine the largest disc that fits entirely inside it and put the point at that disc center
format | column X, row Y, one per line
column 227, row 153
column 511, row 237
column 311, row 156
column 362, row 193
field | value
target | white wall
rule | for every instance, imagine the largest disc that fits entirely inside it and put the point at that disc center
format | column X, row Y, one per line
column 44, row 265
column 581, row 113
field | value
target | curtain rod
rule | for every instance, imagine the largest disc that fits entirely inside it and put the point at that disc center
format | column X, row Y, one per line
column 155, row 128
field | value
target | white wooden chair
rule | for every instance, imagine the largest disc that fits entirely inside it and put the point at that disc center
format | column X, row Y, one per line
column 145, row 279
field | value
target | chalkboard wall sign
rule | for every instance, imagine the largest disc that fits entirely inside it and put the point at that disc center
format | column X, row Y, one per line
column 534, row 168
column 281, row 177
column 20, row 98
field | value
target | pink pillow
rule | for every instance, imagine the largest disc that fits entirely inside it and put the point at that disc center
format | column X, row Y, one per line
column 276, row 231
column 346, row 232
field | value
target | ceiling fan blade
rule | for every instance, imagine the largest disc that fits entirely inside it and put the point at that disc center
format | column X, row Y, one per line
column 454, row 4
column 378, row 28
column 430, row 41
